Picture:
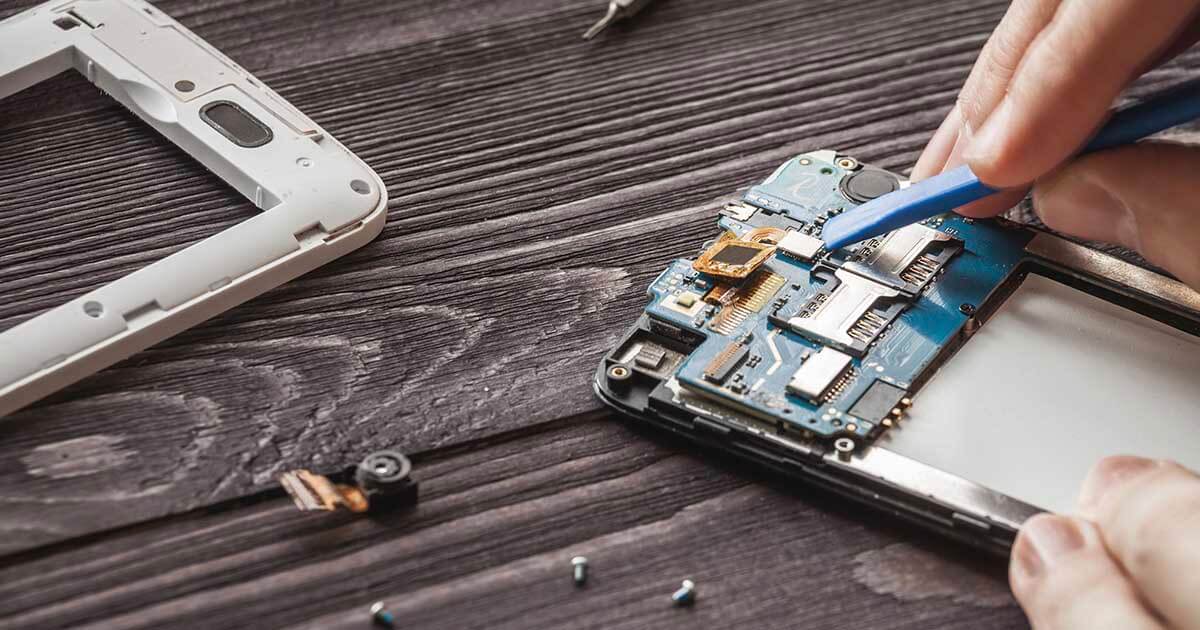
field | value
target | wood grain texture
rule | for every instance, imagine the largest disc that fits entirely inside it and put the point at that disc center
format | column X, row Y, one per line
column 490, row 546
column 537, row 184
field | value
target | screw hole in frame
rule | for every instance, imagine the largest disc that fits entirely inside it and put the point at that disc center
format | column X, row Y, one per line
column 185, row 85
column 93, row 309
column 360, row 187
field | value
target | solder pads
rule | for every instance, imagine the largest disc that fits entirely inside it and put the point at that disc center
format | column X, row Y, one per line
column 820, row 344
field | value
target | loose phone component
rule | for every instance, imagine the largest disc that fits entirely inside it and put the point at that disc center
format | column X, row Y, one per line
column 381, row 481
column 318, row 200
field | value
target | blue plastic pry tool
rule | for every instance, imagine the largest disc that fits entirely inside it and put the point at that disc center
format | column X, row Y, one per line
column 959, row 186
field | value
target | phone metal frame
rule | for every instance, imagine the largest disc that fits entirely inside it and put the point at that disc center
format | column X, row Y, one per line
column 318, row 200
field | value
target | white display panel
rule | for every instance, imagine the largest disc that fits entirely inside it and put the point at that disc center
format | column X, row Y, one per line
column 1055, row 380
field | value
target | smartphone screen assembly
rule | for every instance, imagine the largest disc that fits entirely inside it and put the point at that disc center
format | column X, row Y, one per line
column 963, row 374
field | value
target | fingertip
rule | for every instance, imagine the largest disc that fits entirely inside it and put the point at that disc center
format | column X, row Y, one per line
column 1041, row 544
column 1045, row 538
column 987, row 154
column 1063, row 576
column 1106, row 476
column 1149, row 512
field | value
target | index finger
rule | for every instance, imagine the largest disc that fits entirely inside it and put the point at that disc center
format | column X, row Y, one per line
column 1067, row 81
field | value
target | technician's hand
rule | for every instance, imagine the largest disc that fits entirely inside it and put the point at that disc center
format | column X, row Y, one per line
column 1042, row 85
column 1129, row 560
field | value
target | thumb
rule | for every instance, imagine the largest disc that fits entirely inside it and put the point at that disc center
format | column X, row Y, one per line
column 1145, row 197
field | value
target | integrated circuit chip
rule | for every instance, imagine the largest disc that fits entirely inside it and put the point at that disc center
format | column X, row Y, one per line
column 735, row 254
column 731, row 257
column 650, row 357
column 878, row 401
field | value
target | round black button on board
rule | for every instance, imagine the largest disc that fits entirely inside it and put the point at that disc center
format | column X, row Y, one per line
column 866, row 185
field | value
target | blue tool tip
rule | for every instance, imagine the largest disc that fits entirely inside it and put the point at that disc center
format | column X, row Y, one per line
column 853, row 226
column 924, row 199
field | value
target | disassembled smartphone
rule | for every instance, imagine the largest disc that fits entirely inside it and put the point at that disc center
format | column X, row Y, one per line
column 319, row 201
column 963, row 374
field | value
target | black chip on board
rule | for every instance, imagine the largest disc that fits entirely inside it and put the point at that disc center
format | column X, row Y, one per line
column 877, row 402
column 736, row 255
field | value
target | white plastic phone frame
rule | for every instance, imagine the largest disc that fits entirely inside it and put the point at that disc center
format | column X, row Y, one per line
column 318, row 200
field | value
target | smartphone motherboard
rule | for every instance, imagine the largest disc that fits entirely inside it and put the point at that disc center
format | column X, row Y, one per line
column 807, row 361
column 827, row 347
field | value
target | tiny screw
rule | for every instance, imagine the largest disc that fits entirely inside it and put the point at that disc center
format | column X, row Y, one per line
column 966, row 309
column 580, row 565
column 381, row 616
column 685, row 595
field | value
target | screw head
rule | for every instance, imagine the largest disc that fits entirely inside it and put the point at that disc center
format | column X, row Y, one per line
column 578, row 560
column 381, row 616
column 966, row 308
column 685, row 595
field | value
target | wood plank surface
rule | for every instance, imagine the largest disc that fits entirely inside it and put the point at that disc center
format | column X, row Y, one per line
column 490, row 547
column 537, row 184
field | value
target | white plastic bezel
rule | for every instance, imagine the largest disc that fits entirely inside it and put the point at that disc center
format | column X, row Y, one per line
column 318, row 200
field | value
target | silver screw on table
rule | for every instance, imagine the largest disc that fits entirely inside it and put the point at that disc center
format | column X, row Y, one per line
column 685, row 595
column 381, row 616
column 580, row 565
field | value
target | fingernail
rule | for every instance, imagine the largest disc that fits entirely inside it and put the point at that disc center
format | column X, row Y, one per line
column 933, row 157
column 989, row 138
column 1043, row 541
column 1106, row 475
column 965, row 139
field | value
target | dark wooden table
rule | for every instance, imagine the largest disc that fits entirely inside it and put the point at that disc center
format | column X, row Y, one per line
column 538, row 183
